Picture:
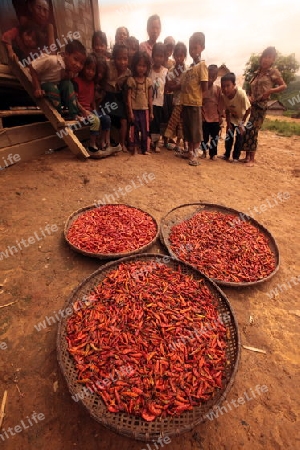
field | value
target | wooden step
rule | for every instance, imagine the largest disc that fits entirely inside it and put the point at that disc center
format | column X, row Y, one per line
column 48, row 109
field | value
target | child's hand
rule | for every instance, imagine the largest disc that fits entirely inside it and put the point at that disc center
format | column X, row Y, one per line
column 242, row 130
column 151, row 117
column 13, row 56
column 39, row 93
column 266, row 95
column 131, row 118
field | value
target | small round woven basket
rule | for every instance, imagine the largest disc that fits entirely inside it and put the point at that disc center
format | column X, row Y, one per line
column 188, row 210
column 107, row 256
column 134, row 426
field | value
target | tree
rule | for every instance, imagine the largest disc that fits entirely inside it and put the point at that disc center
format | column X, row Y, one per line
column 288, row 66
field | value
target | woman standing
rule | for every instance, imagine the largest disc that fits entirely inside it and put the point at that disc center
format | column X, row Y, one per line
column 266, row 81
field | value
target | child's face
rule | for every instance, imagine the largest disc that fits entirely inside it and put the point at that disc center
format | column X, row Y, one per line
column 154, row 30
column 74, row 61
column 89, row 72
column 121, row 36
column 141, row 68
column 99, row 47
column 40, row 12
column 170, row 49
column 195, row 50
column 121, row 61
column 158, row 59
column 179, row 58
column 29, row 39
column 212, row 76
column 267, row 61
column 228, row 88
column 101, row 72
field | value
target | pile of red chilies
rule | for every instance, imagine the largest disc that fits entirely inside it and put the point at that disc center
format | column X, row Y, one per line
column 112, row 229
column 223, row 247
column 160, row 323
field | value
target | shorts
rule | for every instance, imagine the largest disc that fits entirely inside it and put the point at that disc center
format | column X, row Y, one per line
column 192, row 124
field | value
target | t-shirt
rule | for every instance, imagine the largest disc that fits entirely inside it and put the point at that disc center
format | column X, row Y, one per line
column 158, row 83
column 50, row 68
column 116, row 82
column 175, row 74
column 261, row 83
column 212, row 104
column 85, row 91
column 191, row 92
column 139, row 92
column 237, row 106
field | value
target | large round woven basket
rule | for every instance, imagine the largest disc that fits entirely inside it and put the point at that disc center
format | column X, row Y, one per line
column 106, row 256
column 130, row 425
column 187, row 211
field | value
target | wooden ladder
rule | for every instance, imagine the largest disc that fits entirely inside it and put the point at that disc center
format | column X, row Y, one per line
column 50, row 112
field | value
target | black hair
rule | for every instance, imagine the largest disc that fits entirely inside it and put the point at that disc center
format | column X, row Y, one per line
column 75, row 46
column 132, row 41
column 102, row 63
column 180, row 47
column 152, row 19
column 159, row 47
column 117, row 49
column 31, row 2
column 137, row 57
column 198, row 38
column 91, row 59
column 229, row 77
column 119, row 28
column 31, row 28
column 269, row 51
column 101, row 36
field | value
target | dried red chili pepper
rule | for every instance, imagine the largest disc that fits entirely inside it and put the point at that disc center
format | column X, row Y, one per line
column 112, row 229
column 164, row 325
column 222, row 247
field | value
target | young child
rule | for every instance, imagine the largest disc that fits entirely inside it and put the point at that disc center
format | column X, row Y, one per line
column 237, row 109
column 122, row 34
column 170, row 45
column 21, row 41
column 140, row 102
column 212, row 113
column 158, row 75
column 38, row 12
column 100, row 93
column 133, row 46
column 153, row 30
column 173, row 84
column 193, row 85
column 51, row 76
column 99, row 44
column 116, row 90
column 84, row 85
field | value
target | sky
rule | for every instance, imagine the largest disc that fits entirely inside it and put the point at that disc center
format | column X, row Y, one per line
column 234, row 29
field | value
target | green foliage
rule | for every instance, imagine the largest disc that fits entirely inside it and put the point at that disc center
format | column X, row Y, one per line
column 288, row 66
column 282, row 128
column 291, row 96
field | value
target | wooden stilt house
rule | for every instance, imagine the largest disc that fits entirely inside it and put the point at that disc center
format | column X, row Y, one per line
column 28, row 127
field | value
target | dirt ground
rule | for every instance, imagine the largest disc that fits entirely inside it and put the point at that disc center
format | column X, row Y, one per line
column 40, row 277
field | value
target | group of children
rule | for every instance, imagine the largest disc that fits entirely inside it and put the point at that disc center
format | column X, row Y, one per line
column 143, row 90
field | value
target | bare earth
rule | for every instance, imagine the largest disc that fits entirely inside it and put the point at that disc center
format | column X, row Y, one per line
column 41, row 276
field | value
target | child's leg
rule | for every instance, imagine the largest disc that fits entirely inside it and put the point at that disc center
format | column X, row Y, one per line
column 238, row 145
column 137, row 129
column 68, row 97
column 52, row 92
column 229, row 141
column 144, row 124
column 94, row 130
column 105, row 122
column 123, row 134
column 214, row 133
column 206, row 131
column 155, row 127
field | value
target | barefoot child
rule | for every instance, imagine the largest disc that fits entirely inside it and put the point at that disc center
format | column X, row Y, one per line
column 193, row 84
column 158, row 75
column 140, row 102
column 173, row 84
column 51, row 77
column 212, row 113
column 100, row 93
column 118, row 74
column 237, row 109
column 84, row 86
column 153, row 30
